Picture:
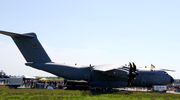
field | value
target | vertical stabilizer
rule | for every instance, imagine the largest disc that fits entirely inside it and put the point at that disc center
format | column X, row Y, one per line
column 29, row 46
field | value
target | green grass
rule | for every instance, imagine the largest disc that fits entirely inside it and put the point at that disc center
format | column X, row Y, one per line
column 44, row 94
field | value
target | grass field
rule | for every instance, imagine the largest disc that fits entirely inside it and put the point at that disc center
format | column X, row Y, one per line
column 44, row 94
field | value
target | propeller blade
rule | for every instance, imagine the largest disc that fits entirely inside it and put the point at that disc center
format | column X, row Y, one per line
column 134, row 67
column 130, row 74
column 130, row 69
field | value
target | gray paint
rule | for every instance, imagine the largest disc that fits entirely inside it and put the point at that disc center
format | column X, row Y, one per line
column 107, row 76
column 31, row 49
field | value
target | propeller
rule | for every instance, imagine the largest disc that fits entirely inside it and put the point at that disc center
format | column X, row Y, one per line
column 132, row 73
column 134, row 67
column 130, row 69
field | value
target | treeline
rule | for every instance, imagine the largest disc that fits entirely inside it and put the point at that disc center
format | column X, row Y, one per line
column 176, row 81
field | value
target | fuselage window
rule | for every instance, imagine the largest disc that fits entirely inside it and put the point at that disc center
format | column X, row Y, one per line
column 115, row 72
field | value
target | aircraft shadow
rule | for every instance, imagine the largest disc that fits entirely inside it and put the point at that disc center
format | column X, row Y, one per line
column 100, row 92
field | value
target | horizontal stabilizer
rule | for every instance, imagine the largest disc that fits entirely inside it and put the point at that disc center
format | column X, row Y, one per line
column 15, row 34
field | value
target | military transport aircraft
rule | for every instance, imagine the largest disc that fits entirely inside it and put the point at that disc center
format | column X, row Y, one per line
column 102, row 76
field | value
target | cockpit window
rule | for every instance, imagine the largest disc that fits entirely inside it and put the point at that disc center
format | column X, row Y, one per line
column 165, row 73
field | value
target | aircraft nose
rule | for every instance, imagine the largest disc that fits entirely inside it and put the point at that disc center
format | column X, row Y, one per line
column 172, row 80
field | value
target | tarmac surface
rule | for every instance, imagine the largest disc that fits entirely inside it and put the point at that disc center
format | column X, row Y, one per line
column 143, row 90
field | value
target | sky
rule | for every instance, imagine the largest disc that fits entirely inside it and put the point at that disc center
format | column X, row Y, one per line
column 93, row 32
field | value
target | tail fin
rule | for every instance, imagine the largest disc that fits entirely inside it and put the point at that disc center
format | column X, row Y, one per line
column 29, row 46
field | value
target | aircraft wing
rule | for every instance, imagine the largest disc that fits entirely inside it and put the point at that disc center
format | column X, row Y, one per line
column 118, row 71
column 106, row 67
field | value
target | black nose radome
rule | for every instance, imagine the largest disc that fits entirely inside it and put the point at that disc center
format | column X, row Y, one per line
column 172, row 80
